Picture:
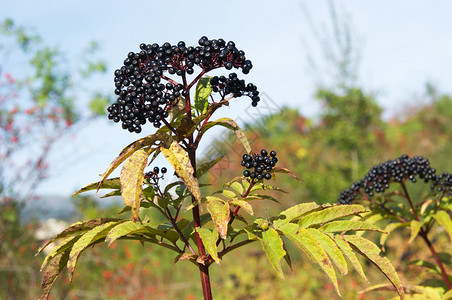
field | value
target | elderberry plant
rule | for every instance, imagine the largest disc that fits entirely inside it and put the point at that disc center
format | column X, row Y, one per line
column 385, row 191
column 167, row 86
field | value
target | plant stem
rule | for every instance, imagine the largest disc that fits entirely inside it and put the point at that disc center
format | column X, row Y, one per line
column 436, row 257
column 430, row 246
column 202, row 265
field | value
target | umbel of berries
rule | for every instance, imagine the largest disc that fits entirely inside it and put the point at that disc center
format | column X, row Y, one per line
column 379, row 178
column 259, row 166
column 152, row 81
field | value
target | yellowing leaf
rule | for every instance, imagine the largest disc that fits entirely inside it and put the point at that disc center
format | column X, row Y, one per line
column 415, row 226
column 112, row 183
column 209, row 239
column 349, row 225
column 331, row 249
column 350, row 255
column 370, row 251
column 304, row 240
column 272, row 245
column 202, row 93
column 329, row 214
column 294, row 212
column 243, row 204
column 132, row 178
column 443, row 219
column 129, row 150
column 180, row 161
column 219, row 211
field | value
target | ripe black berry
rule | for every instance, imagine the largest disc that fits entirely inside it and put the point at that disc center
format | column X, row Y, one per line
column 235, row 86
column 261, row 165
column 378, row 179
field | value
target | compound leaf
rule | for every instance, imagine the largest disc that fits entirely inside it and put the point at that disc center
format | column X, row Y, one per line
column 350, row 255
column 304, row 240
column 293, row 212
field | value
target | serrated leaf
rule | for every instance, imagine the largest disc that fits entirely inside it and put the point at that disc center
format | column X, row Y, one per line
column 285, row 171
column 231, row 125
column 112, row 183
column 349, row 225
column 128, row 151
column 132, row 178
column 51, row 272
column 85, row 241
column 293, row 212
column 180, row 161
column 331, row 249
column 307, row 243
column 209, row 239
column 131, row 227
column 78, row 228
column 65, row 245
column 415, row 226
column 260, row 186
column 444, row 220
column 243, row 204
column 272, row 244
column 219, row 211
column 202, row 93
column 370, row 251
column 350, row 255
column 207, row 166
column 330, row 214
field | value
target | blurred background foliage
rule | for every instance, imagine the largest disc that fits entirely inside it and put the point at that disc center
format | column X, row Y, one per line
column 328, row 153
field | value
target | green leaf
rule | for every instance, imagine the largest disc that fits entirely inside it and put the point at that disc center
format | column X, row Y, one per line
column 112, row 183
column 349, row 225
column 64, row 246
column 130, row 227
column 415, row 226
column 219, row 211
column 331, row 249
column 202, row 93
column 209, row 239
column 426, row 264
column 260, row 197
column 304, row 240
column 272, row 245
column 243, row 204
column 112, row 194
column 132, row 178
column 372, row 253
column 231, row 125
column 350, row 255
column 236, row 186
column 229, row 194
column 78, row 228
column 180, row 161
column 86, row 240
column 443, row 219
column 128, row 151
column 207, row 166
column 330, row 214
column 260, row 186
column 293, row 212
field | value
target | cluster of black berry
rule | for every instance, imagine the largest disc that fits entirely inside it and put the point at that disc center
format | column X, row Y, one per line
column 378, row 178
column 142, row 95
column 235, row 86
column 442, row 183
column 260, row 165
column 154, row 175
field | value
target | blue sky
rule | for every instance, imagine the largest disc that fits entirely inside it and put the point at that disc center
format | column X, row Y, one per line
column 402, row 44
